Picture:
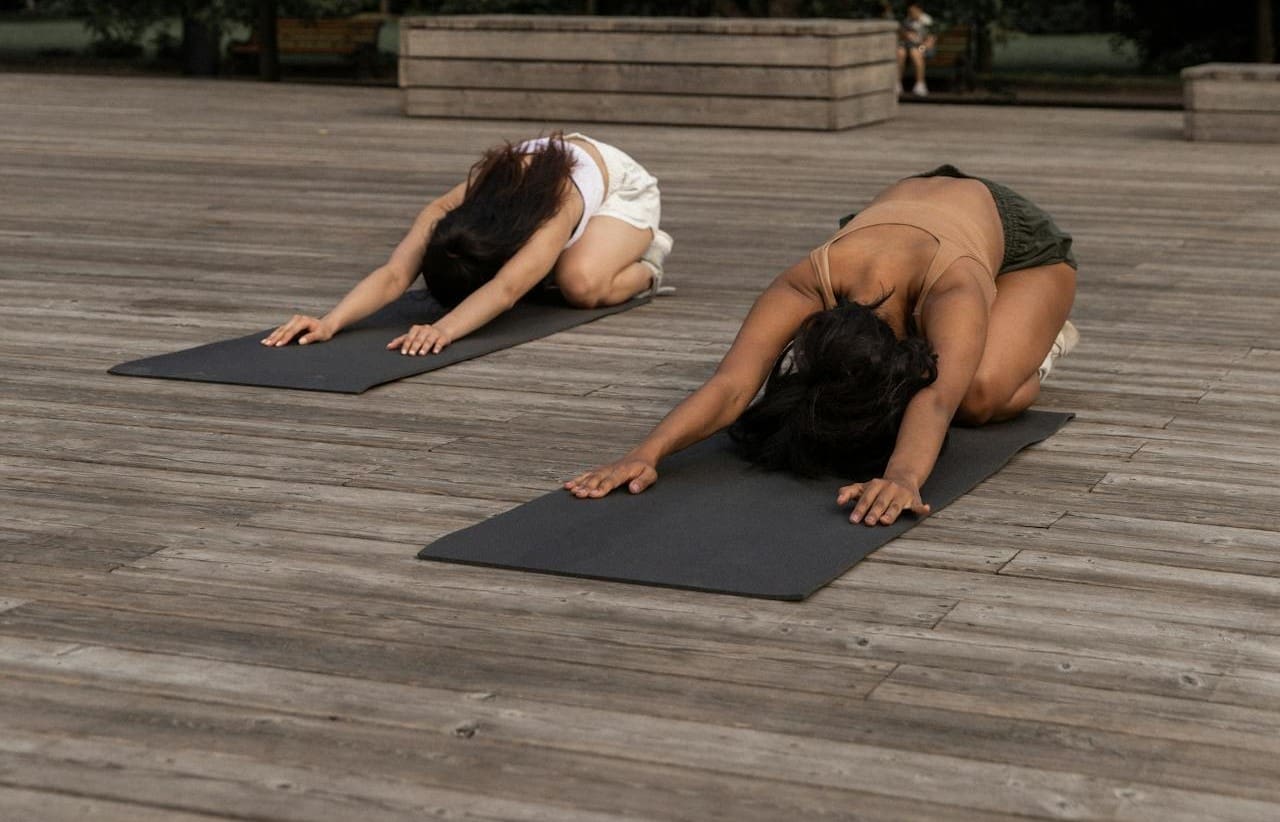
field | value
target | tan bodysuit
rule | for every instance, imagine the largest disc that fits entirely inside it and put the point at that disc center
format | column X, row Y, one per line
column 958, row 236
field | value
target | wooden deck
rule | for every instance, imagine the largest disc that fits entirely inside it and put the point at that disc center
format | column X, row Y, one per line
column 209, row 602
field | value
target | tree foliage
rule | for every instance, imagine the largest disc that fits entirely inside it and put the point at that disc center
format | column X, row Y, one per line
column 1169, row 33
column 119, row 23
column 1173, row 34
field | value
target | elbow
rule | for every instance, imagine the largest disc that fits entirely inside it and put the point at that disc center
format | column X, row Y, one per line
column 507, row 297
column 732, row 399
column 395, row 282
column 937, row 405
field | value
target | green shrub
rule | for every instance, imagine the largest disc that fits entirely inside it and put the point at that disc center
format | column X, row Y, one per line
column 118, row 27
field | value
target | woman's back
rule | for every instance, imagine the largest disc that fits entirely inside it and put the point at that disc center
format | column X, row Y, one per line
column 967, row 207
column 906, row 238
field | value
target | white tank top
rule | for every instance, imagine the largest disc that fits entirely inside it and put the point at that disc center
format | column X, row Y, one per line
column 586, row 177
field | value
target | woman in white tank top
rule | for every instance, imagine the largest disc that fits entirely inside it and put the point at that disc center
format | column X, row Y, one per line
column 568, row 211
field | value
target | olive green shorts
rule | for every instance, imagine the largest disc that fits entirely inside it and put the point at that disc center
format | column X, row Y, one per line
column 1031, row 237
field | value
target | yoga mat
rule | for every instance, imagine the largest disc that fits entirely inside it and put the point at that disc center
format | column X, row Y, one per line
column 357, row 359
column 714, row 523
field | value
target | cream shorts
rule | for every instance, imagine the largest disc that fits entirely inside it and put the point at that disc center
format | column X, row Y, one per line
column 633, row 195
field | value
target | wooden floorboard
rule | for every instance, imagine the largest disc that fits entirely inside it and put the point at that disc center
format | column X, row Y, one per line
column 209, row 602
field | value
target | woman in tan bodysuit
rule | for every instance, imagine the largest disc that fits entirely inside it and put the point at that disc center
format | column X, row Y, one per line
column 941, row 269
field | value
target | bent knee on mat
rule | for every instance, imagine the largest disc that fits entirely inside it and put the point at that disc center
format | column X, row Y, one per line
column 982, row 402
column 580, row 289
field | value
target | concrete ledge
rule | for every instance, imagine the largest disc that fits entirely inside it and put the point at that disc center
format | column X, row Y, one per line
column 1235, row 102
column 810, row 74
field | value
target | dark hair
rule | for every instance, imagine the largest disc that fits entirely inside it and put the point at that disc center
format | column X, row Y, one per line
column 510, row 194
column 836, row 395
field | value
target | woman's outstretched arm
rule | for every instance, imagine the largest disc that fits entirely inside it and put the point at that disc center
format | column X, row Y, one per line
column 517, row 277
column 770, row 325
column 955, row 319
column 381, row 286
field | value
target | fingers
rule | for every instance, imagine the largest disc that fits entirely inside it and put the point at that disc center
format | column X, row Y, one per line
column 870, row 494
column 581, row 479
column 313, row 335
column 848, row 493
column 647, row 477
column 865, row 493
column 884, row 511
column 596, row 483
column 589, row 484
column 421, row 339
column 880, row 502
column 282, row 335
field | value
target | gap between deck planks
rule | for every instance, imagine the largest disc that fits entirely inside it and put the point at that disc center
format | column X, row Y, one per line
column 197, row 578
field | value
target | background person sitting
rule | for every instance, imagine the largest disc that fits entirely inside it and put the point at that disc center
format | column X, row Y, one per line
column 917, row 40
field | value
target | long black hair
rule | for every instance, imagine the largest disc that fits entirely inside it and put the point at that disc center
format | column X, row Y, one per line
column 510, row 194
column 836, row 395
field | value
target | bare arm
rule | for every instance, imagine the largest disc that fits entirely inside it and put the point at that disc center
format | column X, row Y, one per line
column 955, row 316
column 515, row 279
column 770, row 325
column 380, row 287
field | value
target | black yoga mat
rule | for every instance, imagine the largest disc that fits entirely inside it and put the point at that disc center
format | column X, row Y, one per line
column 357, row 359
column 714, row 523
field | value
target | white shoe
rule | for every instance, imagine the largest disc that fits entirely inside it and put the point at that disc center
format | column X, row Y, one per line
column 920, row 90
column 1062, row 345
column 655, row 257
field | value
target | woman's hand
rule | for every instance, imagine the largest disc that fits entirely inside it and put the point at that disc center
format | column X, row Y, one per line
column 637, row 474
column 421, row 339
column 311, row 329
column 880, row 501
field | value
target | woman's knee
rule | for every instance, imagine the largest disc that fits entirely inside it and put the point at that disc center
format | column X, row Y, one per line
column 981, row 402
column 580, row 286
column 992, row 400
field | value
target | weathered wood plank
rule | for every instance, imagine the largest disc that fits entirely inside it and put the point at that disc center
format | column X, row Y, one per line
column 1232, row 101
column 1199, row 607
column 205, row 574
column 463, row 773
column 608, row 107
column 1033, row 792
column 1124, row 574
column 638, row 40
column 1189, row 721
column 241, row 786
column 642, row 78
column 35, row 804
column 759, row 73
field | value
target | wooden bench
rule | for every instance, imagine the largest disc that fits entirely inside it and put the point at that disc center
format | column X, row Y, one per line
column 1233, row 102
column 755, row 73
column 353, row 38
column 953, row 58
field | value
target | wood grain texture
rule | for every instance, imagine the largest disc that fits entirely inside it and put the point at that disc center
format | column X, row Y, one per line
column 1236, row 102
column 631, row 107
column 209, row 606
column 705, row 40
column 1237, row 126
column 642, row 78
column 795, row 74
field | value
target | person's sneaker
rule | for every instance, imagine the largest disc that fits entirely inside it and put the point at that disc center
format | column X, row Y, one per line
column 1062, row 345
column 655, row 257
column 920, row 90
